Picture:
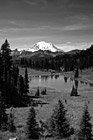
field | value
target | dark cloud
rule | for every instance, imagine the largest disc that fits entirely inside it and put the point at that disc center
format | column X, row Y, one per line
column 34, row 2
column 69, row 20
column 75, row 3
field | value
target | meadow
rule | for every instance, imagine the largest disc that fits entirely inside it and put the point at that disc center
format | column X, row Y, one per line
column 73, row 105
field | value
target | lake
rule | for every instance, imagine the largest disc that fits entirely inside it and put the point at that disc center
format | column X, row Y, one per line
column 58, row 82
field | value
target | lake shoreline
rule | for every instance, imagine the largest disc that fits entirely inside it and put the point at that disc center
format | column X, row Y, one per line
column 85, row 75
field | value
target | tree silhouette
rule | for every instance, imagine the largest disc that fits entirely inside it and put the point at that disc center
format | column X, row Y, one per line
column 26, row 82
column 85, row 132
column 76, row 73
column 3, row 115
column 6, row 59
column 37, row 94
column 32, row 131
column 74, row 92
column 59, row 125
column 11, row 125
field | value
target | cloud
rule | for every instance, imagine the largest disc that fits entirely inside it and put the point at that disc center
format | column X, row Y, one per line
column 34, row 2
column 71, row 3
column 76, row 27
column 12, row 30
column 73, row 27
column 71, row 46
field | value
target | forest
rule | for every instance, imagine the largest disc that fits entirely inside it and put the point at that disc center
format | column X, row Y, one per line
column 64, row 61
column 14, row 92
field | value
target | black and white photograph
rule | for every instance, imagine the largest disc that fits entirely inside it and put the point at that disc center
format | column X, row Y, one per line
column 46, row 69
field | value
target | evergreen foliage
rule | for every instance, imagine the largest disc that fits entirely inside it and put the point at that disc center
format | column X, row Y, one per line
column 21, row 86
column 11, row 125
column 85, row 132
column 12, row 85
column 43, row 92
column 37, row 94
column 26, row 82
column 3, row 115
column 67, row 62
column 76, row 73
column 74, row 92
column 32, row 131
column 59, row 125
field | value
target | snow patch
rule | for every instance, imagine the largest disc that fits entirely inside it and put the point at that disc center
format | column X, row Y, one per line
column 43, row 46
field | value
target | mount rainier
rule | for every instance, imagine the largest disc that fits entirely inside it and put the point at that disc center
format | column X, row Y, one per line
column 44, row 46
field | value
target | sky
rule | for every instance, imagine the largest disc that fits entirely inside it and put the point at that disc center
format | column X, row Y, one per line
column 68, row 24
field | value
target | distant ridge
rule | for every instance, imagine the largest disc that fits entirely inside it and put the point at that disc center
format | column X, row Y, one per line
column 74, row 51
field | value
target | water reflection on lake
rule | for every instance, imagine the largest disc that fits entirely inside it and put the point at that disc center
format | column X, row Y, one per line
column 57, row 81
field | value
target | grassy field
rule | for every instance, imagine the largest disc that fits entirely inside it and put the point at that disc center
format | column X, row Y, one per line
column 74, row 105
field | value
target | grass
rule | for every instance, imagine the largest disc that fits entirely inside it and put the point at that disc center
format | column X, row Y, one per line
column 74, row 105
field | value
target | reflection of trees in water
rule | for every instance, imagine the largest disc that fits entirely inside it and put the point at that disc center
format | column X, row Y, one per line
column 45, row 77
column 42, row 78
column 86, row 83
column 82, row 82
column 91, row 85
column 65, row 79
column 51, row 76
column 74, row 91
column 56, row 76
column 76, row 83
column 71, row 79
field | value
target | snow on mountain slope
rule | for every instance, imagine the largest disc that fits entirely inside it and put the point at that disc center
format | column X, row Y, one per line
column 44, row 46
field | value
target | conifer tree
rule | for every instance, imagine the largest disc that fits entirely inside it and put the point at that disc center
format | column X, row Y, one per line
column 3, row 115
column 20, row 90
column 20, row 86
column 15, row 74
column 6, row 65
column 74, row 92
column 6, row 59
column 32, row 131
column 11, row 125
column 37, row 94
column 26, row 82
column 1, row 72
column 76, row 73
column 59, row 125
column 85, row 132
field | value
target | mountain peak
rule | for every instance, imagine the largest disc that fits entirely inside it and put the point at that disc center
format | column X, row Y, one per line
column 42, row 45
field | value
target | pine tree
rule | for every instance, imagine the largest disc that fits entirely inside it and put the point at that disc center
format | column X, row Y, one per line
column 1, row 73
column 74, row 92
column 3, row 115
column 76, row 73
column 37, row 94
column 59, row 125
column 6, row 59
column 32, row 126
column 85, row 132
column 6, row 65
column 20, row 91
column 20, row 86
column 26, row 82
column 11, row 125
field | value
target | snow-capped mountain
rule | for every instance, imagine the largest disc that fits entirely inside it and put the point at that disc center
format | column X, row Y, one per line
column 43, row 46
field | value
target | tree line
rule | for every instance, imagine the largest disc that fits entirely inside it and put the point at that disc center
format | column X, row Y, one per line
column 13, row 87
column 66, row 61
